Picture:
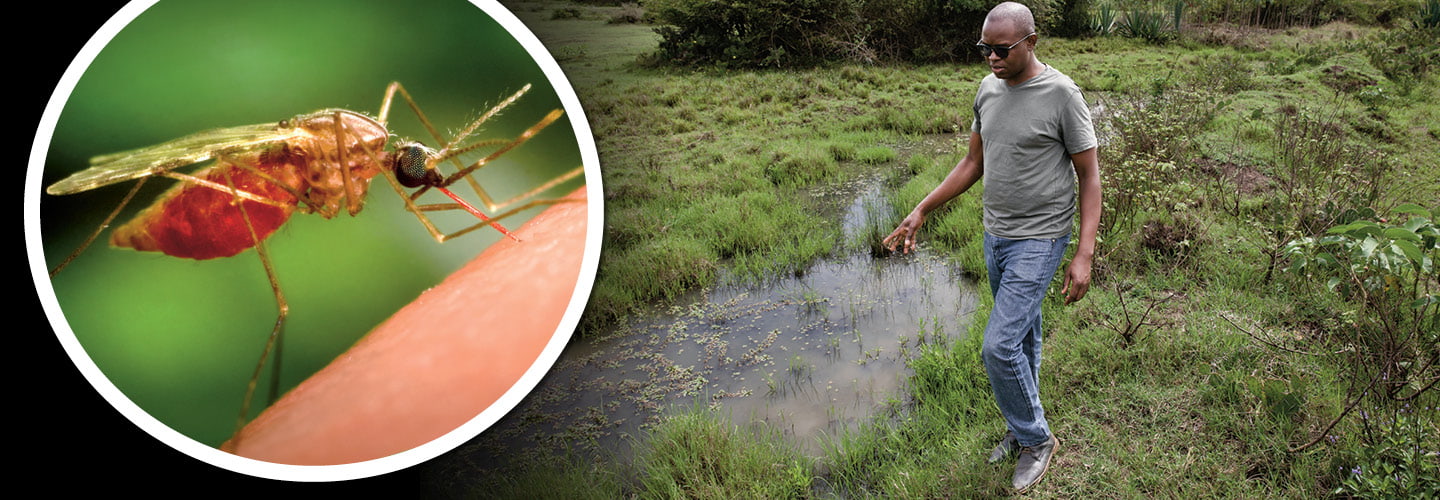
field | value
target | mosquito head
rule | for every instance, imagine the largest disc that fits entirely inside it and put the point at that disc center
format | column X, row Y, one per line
column 411, row 166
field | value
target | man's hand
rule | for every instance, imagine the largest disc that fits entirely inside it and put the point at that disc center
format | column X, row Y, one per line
column 1077, row 279
column 904, row 234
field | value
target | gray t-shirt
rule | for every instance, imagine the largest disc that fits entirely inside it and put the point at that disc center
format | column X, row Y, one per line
column 1029, row 132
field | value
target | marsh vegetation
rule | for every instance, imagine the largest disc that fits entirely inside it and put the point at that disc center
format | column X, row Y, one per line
column 1264, row 317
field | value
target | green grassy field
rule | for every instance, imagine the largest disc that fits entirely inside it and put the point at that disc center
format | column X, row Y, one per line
column 1196, row 367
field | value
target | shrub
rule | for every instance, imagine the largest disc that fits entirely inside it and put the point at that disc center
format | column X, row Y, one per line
column 1150, row 139
column 1145, row 25
column 1287, row 13
column 1398, row 459
column 748, row 33
column 630, row 13
column 1386, row 269
column 785, row 33
column 1405, row 55
column 566, row 13
column 1072, row 19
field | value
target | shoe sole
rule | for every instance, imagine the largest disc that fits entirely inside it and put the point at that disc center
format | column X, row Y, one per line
column 1047, row 466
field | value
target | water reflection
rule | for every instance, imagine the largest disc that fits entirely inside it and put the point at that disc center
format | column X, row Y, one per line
column 810, row 355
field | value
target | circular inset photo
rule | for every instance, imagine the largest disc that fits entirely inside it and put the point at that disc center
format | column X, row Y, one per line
column 331, row 233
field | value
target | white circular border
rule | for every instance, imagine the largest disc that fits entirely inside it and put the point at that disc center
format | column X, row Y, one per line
column 314, row 473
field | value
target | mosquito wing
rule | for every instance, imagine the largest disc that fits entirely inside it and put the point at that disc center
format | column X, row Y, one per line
column 191, row 149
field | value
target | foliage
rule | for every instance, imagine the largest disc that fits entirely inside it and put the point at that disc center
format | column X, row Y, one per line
column 1070, row 18
column 1315, row 170
column 630, row 12
column 1390, row 266
column 1392, row 339
column 752, row 33
column 922, row 30
column 1429, row 15
column 1177, row 10
column 1148, row 141
column 1288, row 13
column 1398, row 459
column 1146, row 25
column 697, row 455
column 566, row 13
column 1102, row 21
column 783, row 33
column 1227, row 73
column 1406, row 55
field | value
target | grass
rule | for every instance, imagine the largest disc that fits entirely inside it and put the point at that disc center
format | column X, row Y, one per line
column 695, row 456
column 703, row 172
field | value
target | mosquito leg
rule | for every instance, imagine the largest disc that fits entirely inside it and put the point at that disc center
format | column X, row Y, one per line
column 448, row 149
column 441, row 237
column 352, row 203
column 390, row 98
column 557, row 180
column 505, row 146
column 98, row 230
column 300, row 196
column 494, row 219
column 451, row 149
column 516, row 142
column 240, row 195
column 445, row 144
column 414, row 209
column 276, row 340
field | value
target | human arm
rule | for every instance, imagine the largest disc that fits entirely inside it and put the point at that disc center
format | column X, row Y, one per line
column 964, row 175
column 1087, row 175
column 440, row 361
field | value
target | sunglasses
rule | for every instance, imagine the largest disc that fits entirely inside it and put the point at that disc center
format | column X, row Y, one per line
column 1002, row 52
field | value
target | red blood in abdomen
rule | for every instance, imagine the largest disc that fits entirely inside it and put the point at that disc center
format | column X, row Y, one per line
column 199, row 222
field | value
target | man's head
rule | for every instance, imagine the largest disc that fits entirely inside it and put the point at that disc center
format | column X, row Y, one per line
column 1009, row 26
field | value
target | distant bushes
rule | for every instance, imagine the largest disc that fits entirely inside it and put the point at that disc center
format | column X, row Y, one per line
column 798, row 33
column 790, row 33
column 1287, row 13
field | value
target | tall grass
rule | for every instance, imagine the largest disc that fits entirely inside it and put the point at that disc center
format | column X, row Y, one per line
column 698, row 455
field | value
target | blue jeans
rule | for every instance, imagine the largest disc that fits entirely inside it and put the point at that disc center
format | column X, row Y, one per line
column 1020, row 273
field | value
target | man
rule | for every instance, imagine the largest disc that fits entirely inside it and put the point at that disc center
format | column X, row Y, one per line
column 1032, row 141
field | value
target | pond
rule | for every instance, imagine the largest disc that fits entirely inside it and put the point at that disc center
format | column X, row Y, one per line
column 809, row 355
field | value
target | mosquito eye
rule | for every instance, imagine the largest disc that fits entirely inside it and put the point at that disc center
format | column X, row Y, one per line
column 410, row 167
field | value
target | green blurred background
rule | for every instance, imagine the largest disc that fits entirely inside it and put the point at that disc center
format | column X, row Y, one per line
column 180, row 337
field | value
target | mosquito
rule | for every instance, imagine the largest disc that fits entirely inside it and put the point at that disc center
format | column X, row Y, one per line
column 320, row 163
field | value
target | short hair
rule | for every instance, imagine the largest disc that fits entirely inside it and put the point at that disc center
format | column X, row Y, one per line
column 1015, row 13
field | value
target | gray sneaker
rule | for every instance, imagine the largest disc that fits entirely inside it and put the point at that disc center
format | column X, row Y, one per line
column 1007, row 447
column 1033, row 462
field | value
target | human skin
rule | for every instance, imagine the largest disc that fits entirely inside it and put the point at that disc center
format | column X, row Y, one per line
column 439, row 361
column 1020, row 65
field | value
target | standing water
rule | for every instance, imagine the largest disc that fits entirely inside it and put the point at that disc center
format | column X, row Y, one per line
column 810, row 356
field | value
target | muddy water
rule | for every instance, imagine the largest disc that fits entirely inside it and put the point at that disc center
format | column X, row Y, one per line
column 811, row 355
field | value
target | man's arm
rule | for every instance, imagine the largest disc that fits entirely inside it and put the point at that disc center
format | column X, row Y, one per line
column 964, row 175
column 1087, row 174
